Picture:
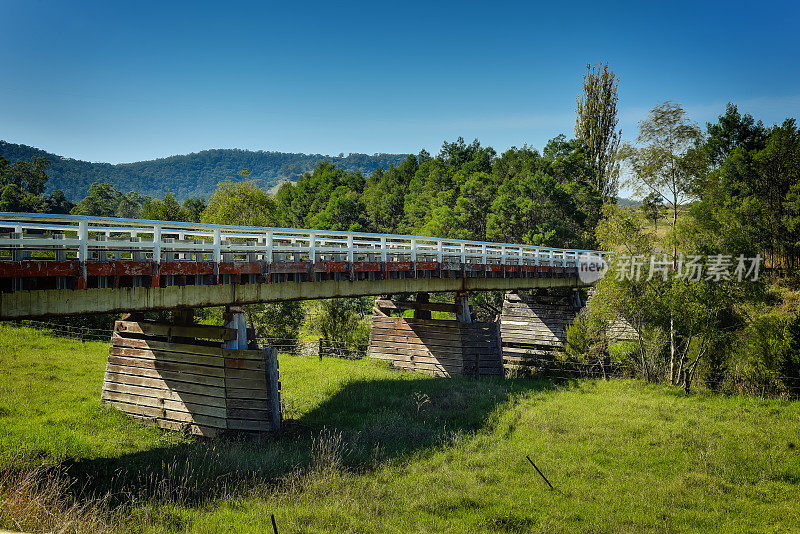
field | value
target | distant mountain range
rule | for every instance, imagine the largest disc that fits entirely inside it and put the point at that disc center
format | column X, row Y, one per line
column 190, row 175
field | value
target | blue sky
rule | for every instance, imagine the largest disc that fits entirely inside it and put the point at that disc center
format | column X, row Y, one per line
column 139, row 80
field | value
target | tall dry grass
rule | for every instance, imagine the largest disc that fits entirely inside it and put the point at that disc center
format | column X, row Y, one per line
column 41, row 499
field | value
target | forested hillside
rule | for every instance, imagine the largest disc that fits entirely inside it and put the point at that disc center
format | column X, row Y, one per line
column 190, row 175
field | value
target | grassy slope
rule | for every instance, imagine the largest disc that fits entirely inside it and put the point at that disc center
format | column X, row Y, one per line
column 369, row 449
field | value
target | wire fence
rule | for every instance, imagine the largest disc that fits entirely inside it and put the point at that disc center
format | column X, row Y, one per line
column 82, row 333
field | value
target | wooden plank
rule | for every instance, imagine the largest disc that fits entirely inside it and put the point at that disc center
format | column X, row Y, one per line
column 431, row 349
column 419, row 322
column 253, row 374
column 163, row 393
column 254, row 415
column 416, row 328
column 161, row 365
column 148, row 344
column 151, row 344
column 167, row 376
column 165, row 330
column 239, row 363
column 242, row 354
column 253, row 426
column 178, row 387
column 197, row 430
column 420, row 359
column 177, row 406
column 247, row 383
column 251, row 394
column 411, row 340
column 248, row 404
column 161, row 413
column 413, row 305
column 174, row 357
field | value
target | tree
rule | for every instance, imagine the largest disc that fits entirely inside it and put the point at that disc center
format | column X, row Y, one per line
column 596, row 125
column 280, row 321
column 164, row 210
column 652, row 207
column 241, row 204
column 102, row 201
column 28, row 176
column 22, row 188
column 669, row 161
column 194, row 207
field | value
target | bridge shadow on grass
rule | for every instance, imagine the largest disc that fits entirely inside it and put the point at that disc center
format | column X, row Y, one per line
column 360, row 427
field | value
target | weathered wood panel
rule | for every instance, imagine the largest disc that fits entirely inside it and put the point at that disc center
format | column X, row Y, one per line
column 191, row 384
column 435, row 346
column 533, row 330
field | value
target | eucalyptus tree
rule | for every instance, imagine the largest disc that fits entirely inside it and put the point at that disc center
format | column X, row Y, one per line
column 667, row 160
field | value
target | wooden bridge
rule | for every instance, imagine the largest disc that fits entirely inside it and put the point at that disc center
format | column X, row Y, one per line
column 64, row 264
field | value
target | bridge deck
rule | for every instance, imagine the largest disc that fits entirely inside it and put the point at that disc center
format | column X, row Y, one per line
column 60, row 264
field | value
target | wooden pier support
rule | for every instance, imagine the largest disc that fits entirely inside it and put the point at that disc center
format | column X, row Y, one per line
column 441, row 347
column 182, row 376
column 533, row 331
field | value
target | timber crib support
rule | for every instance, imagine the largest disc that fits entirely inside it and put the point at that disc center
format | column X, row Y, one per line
column 207, row 380
column 441, row 347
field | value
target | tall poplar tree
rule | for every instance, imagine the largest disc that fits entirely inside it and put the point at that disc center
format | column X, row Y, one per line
column 596, row 125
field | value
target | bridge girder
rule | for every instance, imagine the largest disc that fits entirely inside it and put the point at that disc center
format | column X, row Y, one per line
column 54, row 302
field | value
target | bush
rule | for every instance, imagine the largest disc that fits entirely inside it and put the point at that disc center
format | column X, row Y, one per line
column 765, row 360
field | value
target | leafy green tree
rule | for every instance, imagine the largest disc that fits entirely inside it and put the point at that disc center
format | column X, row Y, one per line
column 28, row 176
column 652, row 207
column 242, row 204
column 280, row 321
column 164, row 210
column 340, row 322
column 668, row 161
column 22, row 188
column 102, row 201
column 596, row 125
column 193, row 208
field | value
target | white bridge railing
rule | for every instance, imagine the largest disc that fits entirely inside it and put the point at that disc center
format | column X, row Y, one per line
column 33, row 236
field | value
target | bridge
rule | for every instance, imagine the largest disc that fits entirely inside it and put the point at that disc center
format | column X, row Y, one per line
column 54, row 265
column 215, row 379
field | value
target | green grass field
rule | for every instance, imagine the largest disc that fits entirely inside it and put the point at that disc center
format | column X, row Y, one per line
column 369, row 449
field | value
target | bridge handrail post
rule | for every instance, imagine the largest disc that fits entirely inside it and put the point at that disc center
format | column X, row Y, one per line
column 83, row 241
column 312, row 247
column 217, row 245
column 484, row 258
column 413, row 249
column 157, row 243
column 463, row 252
column 268, row 239
column 350, row 248
column 384, row 255
column 503, row 254
column 439, row 251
